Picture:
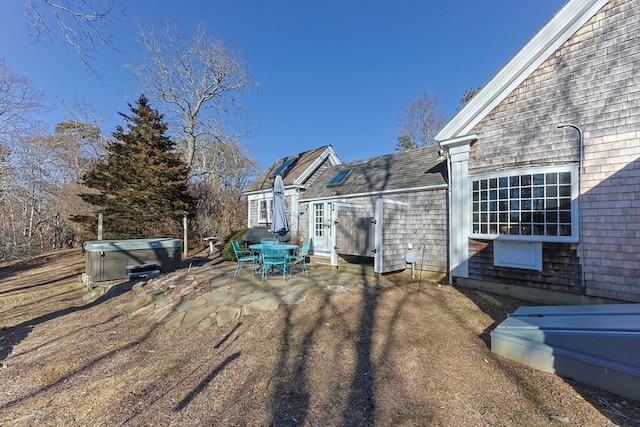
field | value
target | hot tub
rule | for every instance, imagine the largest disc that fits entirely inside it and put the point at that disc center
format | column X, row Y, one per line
column 108, row 259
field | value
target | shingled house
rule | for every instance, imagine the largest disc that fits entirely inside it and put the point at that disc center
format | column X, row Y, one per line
column 545, row 176
column 297, row 171
column 382, row 211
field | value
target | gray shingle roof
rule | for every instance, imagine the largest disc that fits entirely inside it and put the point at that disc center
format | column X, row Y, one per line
column 403, row 170
column 300, row 164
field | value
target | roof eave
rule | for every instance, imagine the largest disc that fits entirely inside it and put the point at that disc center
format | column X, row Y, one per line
column 327, row 153
column 376, row 193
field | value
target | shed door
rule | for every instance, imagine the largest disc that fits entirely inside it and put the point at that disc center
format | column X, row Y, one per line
column 355, row 235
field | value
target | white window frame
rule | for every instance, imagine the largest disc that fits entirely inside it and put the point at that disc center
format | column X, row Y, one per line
column 479, row 232
column 268, row 203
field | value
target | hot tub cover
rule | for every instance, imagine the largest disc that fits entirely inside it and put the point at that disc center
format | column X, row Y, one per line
column 130, row 244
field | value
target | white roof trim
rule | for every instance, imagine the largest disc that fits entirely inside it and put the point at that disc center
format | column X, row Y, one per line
column 376, row 193
column 270, row 190
column 459, row 140
column 557, row 31
column 328, row 152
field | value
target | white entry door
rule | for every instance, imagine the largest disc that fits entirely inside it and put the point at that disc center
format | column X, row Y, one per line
column 321, row 227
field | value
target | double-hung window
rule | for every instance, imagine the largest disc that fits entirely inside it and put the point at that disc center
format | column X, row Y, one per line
column 265, row 210
column 538, row 204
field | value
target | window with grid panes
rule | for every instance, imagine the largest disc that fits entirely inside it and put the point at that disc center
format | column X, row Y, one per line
column 533, row 204
column 264, row 213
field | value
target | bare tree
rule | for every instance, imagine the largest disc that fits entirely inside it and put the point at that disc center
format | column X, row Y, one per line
column 225, row 169
column 19, row 99
column 81, row 23
column 197, row 79
column 39, row 194
column 29, row 191
column 224, row 164
column 4, row 170
column 420, row 123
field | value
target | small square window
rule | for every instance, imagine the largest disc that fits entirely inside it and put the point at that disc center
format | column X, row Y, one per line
column 284, row 167
column 339, row 178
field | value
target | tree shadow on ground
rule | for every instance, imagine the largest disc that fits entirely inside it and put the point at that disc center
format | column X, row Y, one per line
column 361, row 404
column 291, row 398
column 13, row 335
column 63, row 379
column 497, row 307
column 157, row 392
column 203, row 384
column 38, row 284
column 205, row 381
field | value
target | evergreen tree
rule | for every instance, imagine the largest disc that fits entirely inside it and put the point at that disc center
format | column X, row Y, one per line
column 142, row 188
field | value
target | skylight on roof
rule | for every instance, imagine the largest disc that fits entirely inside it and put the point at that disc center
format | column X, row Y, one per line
column 283, row 167
column 339, row 178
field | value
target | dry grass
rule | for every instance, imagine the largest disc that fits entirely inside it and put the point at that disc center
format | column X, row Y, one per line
column 388, row 357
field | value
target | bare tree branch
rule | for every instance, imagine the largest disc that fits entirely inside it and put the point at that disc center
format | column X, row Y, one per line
column 421, row 122
column 195, row 77
column 19, row 99
column 81, row 23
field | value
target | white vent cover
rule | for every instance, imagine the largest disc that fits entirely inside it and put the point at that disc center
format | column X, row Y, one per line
column 517, row 254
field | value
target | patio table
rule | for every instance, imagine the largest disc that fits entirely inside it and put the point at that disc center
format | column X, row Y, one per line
column 257, row 247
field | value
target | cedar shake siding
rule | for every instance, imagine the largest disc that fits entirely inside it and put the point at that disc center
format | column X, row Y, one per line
column 592, row 81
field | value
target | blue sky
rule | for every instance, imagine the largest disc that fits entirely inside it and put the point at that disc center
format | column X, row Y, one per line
column 334, row 72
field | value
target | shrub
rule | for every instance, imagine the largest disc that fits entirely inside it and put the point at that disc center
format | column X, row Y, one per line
column 227, row 249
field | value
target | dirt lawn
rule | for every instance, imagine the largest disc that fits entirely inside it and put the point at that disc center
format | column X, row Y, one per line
column 405, row 356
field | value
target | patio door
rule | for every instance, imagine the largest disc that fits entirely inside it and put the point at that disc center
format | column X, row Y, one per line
column 321, row 227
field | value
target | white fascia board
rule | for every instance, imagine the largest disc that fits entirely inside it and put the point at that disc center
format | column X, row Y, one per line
column 458, row 141
column 378, row 193
column 260, row 195
column 549, row 39
column 394, row 202
column 328, row 153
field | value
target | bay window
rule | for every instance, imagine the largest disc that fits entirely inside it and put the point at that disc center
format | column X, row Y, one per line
column 537, row 204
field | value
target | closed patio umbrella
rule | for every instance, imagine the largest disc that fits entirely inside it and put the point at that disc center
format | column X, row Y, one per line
column 279, row 224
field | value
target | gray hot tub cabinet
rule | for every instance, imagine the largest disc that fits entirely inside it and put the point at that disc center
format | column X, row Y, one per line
column 597, row 345
column 108, row 259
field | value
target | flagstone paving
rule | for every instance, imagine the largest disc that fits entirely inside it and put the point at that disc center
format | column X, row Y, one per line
column 207, row 294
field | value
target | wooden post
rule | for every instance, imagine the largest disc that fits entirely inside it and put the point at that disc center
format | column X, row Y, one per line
column 100, row 226
column 184, row 227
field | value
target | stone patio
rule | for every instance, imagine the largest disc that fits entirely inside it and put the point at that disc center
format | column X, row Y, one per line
column 205, row 293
